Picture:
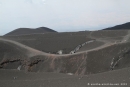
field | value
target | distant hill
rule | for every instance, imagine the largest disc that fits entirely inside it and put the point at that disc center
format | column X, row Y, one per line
column 119, row 27
column 24, row 31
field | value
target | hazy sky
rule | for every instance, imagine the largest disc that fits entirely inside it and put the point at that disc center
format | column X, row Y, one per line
column 63, row 15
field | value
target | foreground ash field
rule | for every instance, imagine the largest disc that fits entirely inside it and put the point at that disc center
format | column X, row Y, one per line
column 67, row 59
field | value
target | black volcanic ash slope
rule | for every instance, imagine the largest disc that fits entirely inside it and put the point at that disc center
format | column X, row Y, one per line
column 11, row 55
column 112, row 57
column 52, row 42
column 25, row 31
column 119, row 27
column 14, row 54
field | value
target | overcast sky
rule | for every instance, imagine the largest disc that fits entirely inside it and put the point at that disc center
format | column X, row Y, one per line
column 63, row 15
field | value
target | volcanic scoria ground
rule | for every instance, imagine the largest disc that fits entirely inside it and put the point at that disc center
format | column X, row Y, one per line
column 85, row 58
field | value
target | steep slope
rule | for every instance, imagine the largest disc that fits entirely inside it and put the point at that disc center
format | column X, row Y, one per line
column 11, row 55
column 14, row 54
column 26, row 31
column 120, row 27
